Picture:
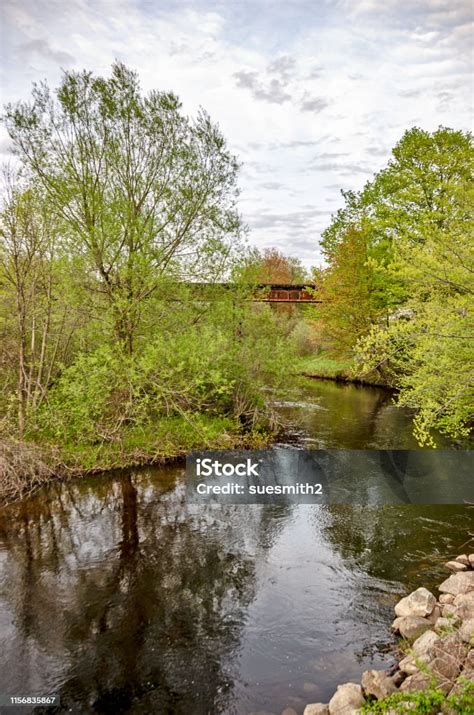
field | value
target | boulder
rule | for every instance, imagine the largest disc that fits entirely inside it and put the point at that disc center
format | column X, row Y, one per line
column 448, row 658
column 471, row 560
column 458, row 583
column 411, row 627
column 425, row 642
column 446, row 598
column 446, row 670
column 463, row 559
column 347, row 700
column 396, row 624
column 409, row 665
column 418, row 681
column 316, row 709
column 455, row 566
column 419, row 603
column 377, row 683
column 466, row 631
column 464, row 605
column 468, row 668
column 421, row 652
column 289, row 711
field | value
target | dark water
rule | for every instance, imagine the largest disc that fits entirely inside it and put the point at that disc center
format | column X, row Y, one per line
column 122, row 597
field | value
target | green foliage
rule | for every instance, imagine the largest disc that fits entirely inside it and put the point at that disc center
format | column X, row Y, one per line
column 217, row 365
column 116, row 259
column 143, row 190
column 425, row 701
column 417, row 223
column 349, row 292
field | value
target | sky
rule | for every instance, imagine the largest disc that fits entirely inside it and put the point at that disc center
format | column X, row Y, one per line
column 310, row 94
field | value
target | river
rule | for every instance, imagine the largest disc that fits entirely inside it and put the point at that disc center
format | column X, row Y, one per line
column 121, row 597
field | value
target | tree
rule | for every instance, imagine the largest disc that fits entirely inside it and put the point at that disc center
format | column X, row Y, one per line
column 270, row 266
column 416, row 220
column 29, row 237
column 145, row 192
column 347, row 292
column 430, row 356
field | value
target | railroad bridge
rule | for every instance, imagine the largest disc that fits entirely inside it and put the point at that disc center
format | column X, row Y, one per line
column 260, row 293
column 285, row 293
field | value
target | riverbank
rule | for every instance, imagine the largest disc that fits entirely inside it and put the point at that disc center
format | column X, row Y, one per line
column 324, row 367
column 435, row 656
column 28, row 465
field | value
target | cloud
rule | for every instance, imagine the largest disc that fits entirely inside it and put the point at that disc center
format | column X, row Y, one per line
column 344, row 169
column 283, row 83
column 273, row 185
column 41, row 48
column 377, row 151
column 273, row 91
column 282, row 66
column 314, row 104
column 293, row 220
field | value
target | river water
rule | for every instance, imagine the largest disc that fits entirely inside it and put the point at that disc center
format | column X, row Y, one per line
column 121, row 597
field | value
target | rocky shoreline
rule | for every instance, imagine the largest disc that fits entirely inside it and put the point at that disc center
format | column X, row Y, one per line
column 436, row 655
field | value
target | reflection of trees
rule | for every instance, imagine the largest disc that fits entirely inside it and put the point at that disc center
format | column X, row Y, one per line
column 399, row 542
column 351, row 417
column 137, row 602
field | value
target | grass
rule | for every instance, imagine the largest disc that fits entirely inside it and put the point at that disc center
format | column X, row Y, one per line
column 322, row 365
column 325, row 366
column 27, row 465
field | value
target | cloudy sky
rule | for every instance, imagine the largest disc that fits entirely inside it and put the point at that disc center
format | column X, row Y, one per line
column 311, row 94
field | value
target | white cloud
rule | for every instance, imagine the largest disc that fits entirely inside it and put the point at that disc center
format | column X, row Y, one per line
column 310, row 95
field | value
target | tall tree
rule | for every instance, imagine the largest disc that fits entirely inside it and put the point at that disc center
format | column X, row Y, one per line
column 144, row 190
column 29, row 238
column 416, row 217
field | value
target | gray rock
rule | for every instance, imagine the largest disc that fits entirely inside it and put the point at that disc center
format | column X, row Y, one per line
column 408, row 664
column 377, row 683
column 455, row 566
column 421, row 652
column 446, row 598
column 458, row 583
column 316, row 709
column 449, row 654
column 466, row 631
column 396, row 624
column 411, row 627
column 446, row 670
column 419, row 603
column 347, row 700
column 468, row 668
column 425, row 643
column 418, row 681
column 464, row 605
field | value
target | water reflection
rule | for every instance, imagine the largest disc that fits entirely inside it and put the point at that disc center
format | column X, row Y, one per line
column 323, row 414
column 121, row 600
column 123, row 597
